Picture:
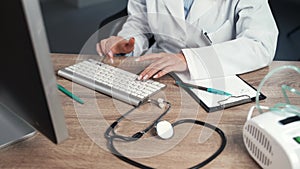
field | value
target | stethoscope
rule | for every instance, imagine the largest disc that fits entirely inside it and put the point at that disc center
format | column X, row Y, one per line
column 164, row 130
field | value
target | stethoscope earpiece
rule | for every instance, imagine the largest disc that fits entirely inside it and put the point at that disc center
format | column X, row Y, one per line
column 159, row 102
column 164, row 129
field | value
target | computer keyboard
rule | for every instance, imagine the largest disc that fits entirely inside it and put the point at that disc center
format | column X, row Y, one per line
column 112, row 81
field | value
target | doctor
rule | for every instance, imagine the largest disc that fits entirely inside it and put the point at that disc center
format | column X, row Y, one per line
column 201, row 38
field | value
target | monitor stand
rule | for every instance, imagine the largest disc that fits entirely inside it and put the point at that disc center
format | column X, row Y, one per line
column 12, row 128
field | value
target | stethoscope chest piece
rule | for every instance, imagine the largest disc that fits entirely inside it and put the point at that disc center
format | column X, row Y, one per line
column 164, row 129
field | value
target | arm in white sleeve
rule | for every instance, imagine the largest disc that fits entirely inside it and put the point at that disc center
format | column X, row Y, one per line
column 136, row 26
column 253, row 48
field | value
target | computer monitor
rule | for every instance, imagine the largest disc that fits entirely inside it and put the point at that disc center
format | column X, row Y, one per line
column 29, row 99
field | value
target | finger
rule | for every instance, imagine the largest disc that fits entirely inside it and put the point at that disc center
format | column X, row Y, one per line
column 163, row 72
column 159, row 60
column 98, row 49
column 148, row 73
column 130, row 45
column 143, row 75
column 108, row 46
column 145, row 71
column 131, row 41
column 103, row 47
column 124, row 46
column 154, row 68
column 119, row 47
column 110, row 54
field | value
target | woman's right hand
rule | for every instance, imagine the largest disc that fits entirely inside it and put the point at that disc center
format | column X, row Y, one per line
column 115, row 45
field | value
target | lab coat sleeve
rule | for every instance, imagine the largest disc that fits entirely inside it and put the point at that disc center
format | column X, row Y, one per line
column 253, row 47
column 136, row 26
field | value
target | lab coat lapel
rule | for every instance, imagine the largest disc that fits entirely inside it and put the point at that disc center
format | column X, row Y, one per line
column 175, row 7
column 198, row 8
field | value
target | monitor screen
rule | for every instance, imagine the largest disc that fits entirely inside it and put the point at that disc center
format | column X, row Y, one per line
column 28, row 93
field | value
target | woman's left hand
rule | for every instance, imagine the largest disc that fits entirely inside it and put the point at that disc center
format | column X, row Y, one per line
column 162, row 64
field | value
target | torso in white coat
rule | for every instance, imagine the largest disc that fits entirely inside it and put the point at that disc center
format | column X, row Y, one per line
column 243, row 33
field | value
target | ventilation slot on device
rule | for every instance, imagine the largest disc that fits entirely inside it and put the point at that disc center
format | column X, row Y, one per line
column 262, row 140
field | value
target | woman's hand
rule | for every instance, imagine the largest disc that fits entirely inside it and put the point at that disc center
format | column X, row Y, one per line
column 162, row 64
column 115, row 45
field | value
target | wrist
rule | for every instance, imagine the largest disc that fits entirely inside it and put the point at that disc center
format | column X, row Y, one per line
column 182, row 57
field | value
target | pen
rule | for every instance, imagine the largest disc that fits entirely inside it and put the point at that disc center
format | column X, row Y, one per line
column 207, row 38
column 210, row 90
column 68, row 93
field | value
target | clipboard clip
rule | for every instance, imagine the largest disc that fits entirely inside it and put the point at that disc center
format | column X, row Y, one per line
column 247, row 99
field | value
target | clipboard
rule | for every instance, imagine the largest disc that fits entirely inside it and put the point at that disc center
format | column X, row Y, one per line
column 242, row 92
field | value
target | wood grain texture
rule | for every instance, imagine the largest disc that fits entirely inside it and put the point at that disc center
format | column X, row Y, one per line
column 84, row 126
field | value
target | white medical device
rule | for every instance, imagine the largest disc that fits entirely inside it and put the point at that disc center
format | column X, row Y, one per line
column 272, row 138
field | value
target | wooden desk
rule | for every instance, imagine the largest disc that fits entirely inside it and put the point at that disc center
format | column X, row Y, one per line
column 79, row 151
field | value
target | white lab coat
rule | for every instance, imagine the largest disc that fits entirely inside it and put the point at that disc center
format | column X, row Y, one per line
column 243, row 33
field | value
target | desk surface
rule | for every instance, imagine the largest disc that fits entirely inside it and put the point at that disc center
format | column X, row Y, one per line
column 79, row 151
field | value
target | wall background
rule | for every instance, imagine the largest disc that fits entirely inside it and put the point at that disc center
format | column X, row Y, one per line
column 69, row 26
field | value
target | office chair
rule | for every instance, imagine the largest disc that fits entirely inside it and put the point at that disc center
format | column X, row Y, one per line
column 113, row 24
column 293, row 31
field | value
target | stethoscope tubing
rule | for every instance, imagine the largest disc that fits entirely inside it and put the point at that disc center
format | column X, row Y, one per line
column 111, row 135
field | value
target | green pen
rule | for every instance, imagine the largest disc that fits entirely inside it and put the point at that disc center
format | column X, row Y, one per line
column 68, row 93
column 210, row 90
